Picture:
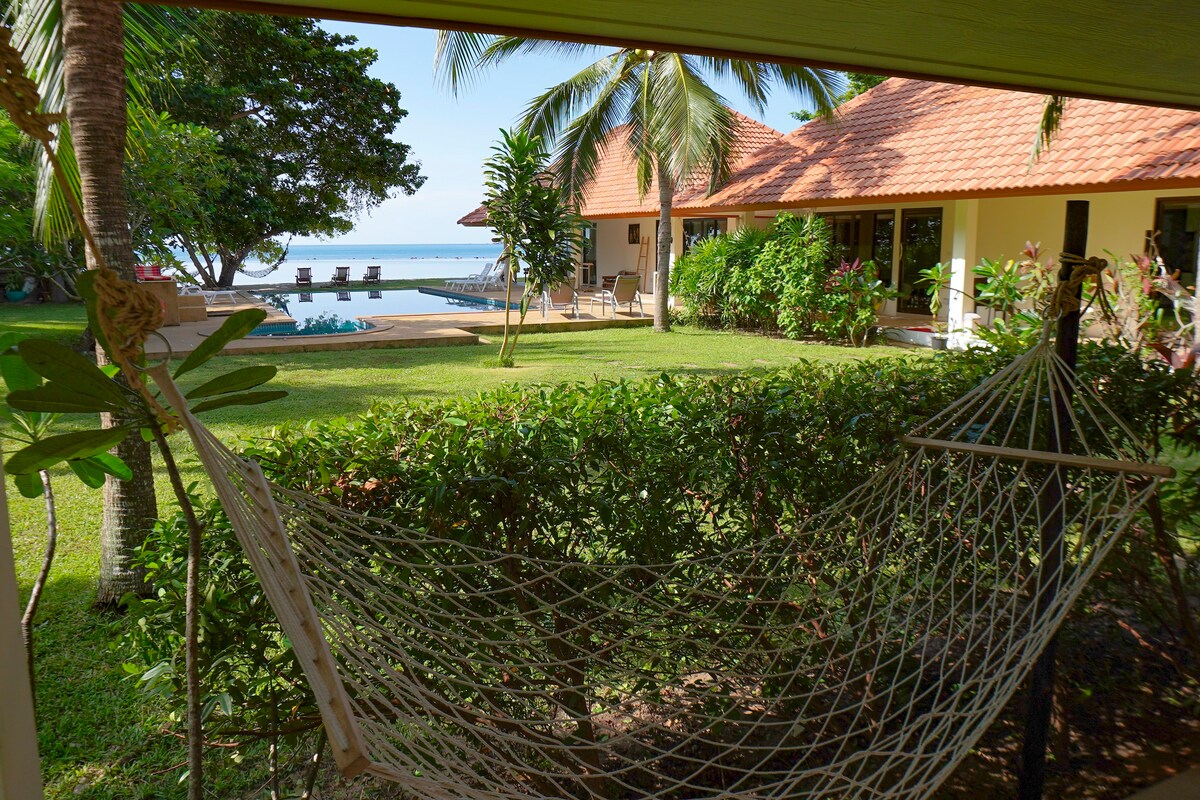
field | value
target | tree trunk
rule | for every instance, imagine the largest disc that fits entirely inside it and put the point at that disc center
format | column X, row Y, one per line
column 94, row 72
column 662, row 271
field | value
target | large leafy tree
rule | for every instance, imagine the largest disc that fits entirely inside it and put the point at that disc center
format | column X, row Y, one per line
column 305, row 138
column 678, row 128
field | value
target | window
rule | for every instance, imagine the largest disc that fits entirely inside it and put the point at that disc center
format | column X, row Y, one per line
column 1178, row 225
column 701, row 228
column 865, row 235
column 920, row 248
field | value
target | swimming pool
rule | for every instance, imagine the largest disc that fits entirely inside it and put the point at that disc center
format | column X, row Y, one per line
column 348, row 305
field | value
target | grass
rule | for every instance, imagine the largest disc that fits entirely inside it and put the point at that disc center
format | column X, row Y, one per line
column 100, row 736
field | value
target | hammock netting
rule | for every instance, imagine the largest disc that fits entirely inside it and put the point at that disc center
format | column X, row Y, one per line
column 860, row 655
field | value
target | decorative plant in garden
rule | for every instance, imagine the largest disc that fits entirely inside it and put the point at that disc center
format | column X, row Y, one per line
column 23, row 368
column 781, row 279
column 535, row 220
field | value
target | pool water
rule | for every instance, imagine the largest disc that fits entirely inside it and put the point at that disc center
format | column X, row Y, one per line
column 319, row 313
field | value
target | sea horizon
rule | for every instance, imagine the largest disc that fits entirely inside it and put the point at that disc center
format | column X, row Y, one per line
column 397, row 261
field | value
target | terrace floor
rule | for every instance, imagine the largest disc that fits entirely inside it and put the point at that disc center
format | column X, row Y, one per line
column 408, row 330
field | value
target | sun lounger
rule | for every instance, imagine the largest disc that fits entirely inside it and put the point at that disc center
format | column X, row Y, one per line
column 211, row 297
column 624, row 291
column 341, row 277
column 373, row 274
column 493, row 280
column 461, row 283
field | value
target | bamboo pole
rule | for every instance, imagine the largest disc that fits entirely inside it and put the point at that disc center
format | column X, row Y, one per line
column 20, row 770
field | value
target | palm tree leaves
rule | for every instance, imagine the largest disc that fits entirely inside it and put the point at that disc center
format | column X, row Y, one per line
column 675, row 123
column 150, row 32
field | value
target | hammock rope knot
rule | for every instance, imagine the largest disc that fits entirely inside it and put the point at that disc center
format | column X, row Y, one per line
column 1066, row 299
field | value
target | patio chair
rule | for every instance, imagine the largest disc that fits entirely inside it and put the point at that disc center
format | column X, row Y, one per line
column 341, row 277
column 306, row 297
column 304, row 276
column 343, row 297
column 563, row 296
column 372, row 275
column 462, row 283
column 624, row 291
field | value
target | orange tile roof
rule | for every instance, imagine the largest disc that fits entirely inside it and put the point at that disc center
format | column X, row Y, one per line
column 910, row 138
column 613, row 189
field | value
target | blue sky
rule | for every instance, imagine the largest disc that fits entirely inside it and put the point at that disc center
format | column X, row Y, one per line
column 451, row 137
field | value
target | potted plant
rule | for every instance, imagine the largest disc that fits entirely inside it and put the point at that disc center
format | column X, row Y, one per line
column 14, row 287
column 938, row 278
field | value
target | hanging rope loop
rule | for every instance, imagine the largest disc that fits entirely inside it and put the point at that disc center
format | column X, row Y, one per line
column 1066, row 299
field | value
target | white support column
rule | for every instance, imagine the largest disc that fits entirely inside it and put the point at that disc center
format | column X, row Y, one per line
column 962, row 259
column 20, row 771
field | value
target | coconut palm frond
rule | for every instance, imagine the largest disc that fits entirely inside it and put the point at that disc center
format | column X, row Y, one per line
column 582, row 141
column 550, row 112
column 456, row 57
column 752, row 77
column 695, row 126
column 820, row 88
column 1052, row 116
column 501, row 48
column 152, row 32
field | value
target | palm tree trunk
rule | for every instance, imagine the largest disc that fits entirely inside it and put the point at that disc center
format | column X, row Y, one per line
column 94, row 72
column 662, row 271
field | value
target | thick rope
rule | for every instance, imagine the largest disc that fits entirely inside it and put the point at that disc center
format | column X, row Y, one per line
column 1066, row 298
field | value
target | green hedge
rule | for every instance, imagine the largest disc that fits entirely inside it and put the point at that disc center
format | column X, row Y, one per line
column 641, row 472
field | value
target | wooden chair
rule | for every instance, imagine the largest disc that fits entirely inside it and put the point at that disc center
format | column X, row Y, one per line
column 624, row 291
column 304, row 276
column 372, row 275
column 341, row 276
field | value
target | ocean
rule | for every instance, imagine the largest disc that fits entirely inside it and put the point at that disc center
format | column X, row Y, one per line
column 398, row 261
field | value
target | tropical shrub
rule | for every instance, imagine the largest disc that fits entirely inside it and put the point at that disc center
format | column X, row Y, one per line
column 853, row 293
column 780, row 280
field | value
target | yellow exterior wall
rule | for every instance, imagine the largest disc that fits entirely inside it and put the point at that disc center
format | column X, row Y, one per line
column 1118, row 222
column 613, row 252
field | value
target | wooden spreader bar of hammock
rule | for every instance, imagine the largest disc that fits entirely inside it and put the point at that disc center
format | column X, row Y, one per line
column 1043, row 456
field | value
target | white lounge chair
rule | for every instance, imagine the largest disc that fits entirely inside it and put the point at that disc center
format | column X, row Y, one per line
column 493, row 280
column 624, row 291
column 563, row 296
column 211, row 297
column 461, row 283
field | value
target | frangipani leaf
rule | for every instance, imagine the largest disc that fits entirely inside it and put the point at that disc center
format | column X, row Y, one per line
column 63, row 365
column 29, row 484
column 86, row 471
column 15, row 373
column 237, row 326
column 53, row 398
column 65, row 447
column 248, row 399
column 237, row 381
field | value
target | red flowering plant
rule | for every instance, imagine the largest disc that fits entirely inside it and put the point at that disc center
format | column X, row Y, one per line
column 854, row 293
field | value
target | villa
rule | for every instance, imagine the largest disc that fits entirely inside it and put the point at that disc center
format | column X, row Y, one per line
column 913, row 172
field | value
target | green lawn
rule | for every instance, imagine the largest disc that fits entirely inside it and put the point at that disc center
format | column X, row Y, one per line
column 100, row 736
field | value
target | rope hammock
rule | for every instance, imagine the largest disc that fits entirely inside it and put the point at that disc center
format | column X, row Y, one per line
column 258, row 273
column 859, row 656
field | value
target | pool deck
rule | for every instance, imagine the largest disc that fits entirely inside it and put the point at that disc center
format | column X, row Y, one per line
column 390, row 331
